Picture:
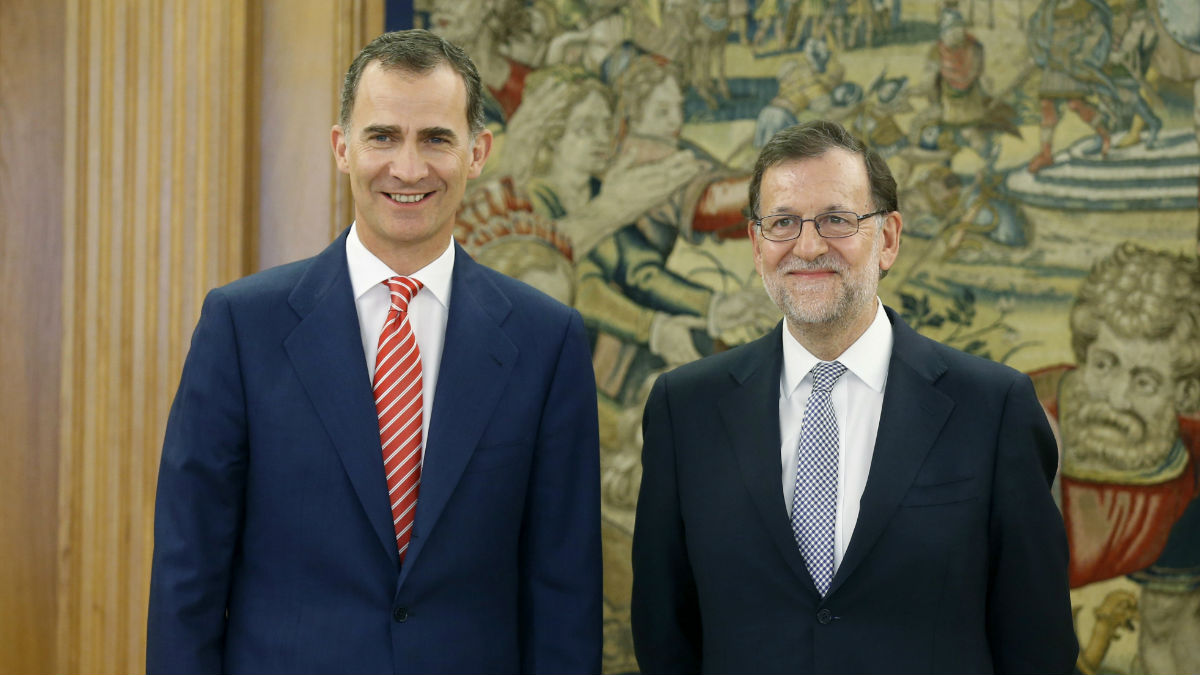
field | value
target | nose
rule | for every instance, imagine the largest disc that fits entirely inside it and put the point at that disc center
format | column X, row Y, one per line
column 675, row 118
column 809, row 245
column 1118, row 387
column 407, row 164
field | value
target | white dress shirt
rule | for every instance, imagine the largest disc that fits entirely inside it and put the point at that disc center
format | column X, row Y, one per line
column 427, row 311
column 857, row 399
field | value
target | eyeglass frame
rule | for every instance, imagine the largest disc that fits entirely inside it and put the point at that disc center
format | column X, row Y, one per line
column 857, row 225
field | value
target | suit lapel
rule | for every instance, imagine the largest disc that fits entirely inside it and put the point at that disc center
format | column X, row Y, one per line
column 913, row 414
column 750, row 412
column 477, row 360
column 326, row 350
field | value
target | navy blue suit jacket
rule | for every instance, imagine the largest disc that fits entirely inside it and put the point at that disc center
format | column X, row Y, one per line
column 957, row 563
column 274, row 549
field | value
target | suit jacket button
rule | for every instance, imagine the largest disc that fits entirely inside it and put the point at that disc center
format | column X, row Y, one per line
column 400, row 614
column 824, row 616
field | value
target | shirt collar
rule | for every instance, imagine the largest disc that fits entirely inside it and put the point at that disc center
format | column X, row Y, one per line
column 367, row 271
column 867, row 358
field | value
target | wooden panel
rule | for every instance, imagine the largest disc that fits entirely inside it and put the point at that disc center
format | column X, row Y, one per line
column 169, row 104
column 31, row 172
column 155, row 213
column 307, row 45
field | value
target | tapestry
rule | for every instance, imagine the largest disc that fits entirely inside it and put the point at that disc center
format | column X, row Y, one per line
column 1048, row 170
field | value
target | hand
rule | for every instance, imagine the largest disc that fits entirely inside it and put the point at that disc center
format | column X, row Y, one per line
column 523, row 131
column 749, row 308
column 671, row 337
column 627, row 192
column 568, row 48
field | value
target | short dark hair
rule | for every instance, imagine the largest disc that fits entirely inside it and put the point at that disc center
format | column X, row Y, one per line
column 815, row 138
column 415, row 51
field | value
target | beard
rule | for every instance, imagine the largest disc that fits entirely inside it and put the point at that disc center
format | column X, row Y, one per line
column 807, row 306
column 1098, row 437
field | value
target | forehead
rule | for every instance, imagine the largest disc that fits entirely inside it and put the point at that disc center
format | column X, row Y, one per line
column 393, row 96
column 591, row 105
column 835, row 179
column 668, row 89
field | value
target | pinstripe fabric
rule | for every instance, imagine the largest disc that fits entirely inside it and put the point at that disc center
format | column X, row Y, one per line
column 399, row 403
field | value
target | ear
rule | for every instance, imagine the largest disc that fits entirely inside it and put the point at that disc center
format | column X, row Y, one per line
column 751, row 231
column 1187, row 395
column 337, row 138
column 893, row 223
column 481, row 147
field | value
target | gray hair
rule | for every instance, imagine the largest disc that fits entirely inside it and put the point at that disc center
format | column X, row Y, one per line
column 813, row 139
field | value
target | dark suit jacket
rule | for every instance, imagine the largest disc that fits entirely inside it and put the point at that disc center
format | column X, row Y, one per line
column 274, row 549
column 958, row 561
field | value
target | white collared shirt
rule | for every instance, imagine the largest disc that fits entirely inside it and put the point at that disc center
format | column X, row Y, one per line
column 857, row 398
column 427, row 311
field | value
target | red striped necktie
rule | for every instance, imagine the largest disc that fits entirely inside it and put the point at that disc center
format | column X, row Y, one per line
column 400, row 404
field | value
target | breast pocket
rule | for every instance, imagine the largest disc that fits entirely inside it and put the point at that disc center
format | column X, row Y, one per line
column 499, row 455
column 943, row 492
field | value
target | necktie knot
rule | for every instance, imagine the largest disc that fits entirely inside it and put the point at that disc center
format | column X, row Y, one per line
column 825, row 375
column 402, row 290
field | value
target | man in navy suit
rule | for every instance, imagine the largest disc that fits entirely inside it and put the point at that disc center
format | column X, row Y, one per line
column 281, row 542
column 844, row 495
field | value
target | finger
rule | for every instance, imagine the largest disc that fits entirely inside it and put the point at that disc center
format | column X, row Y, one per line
column 667, row 172
column 683, row 165
column 623, row 162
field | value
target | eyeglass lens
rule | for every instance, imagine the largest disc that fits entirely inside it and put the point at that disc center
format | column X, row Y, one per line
column 830, row 225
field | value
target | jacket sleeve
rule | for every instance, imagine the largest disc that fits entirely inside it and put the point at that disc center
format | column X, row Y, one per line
column 1029, row 623
column 665, row 610
column 561, row 579
column 199, row 504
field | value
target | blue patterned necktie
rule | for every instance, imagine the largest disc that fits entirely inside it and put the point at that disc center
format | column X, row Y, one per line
column 814, row 503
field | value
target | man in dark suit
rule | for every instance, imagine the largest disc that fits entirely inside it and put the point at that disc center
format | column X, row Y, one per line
column 384, row 458
column 843, row 494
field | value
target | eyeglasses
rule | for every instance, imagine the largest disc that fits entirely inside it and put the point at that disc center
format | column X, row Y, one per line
column 831, row 225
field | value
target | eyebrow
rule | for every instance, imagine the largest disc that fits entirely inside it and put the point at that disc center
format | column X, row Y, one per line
column 785, row 209
column 436, row 132
column 1152, row 372
column 386, row 129
column 394, row 130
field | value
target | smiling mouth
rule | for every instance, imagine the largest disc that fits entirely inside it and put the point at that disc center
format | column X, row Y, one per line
column 408, row 199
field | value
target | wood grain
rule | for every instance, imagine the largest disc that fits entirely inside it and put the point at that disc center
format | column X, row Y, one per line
column 31, row 246
column 140, row 168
